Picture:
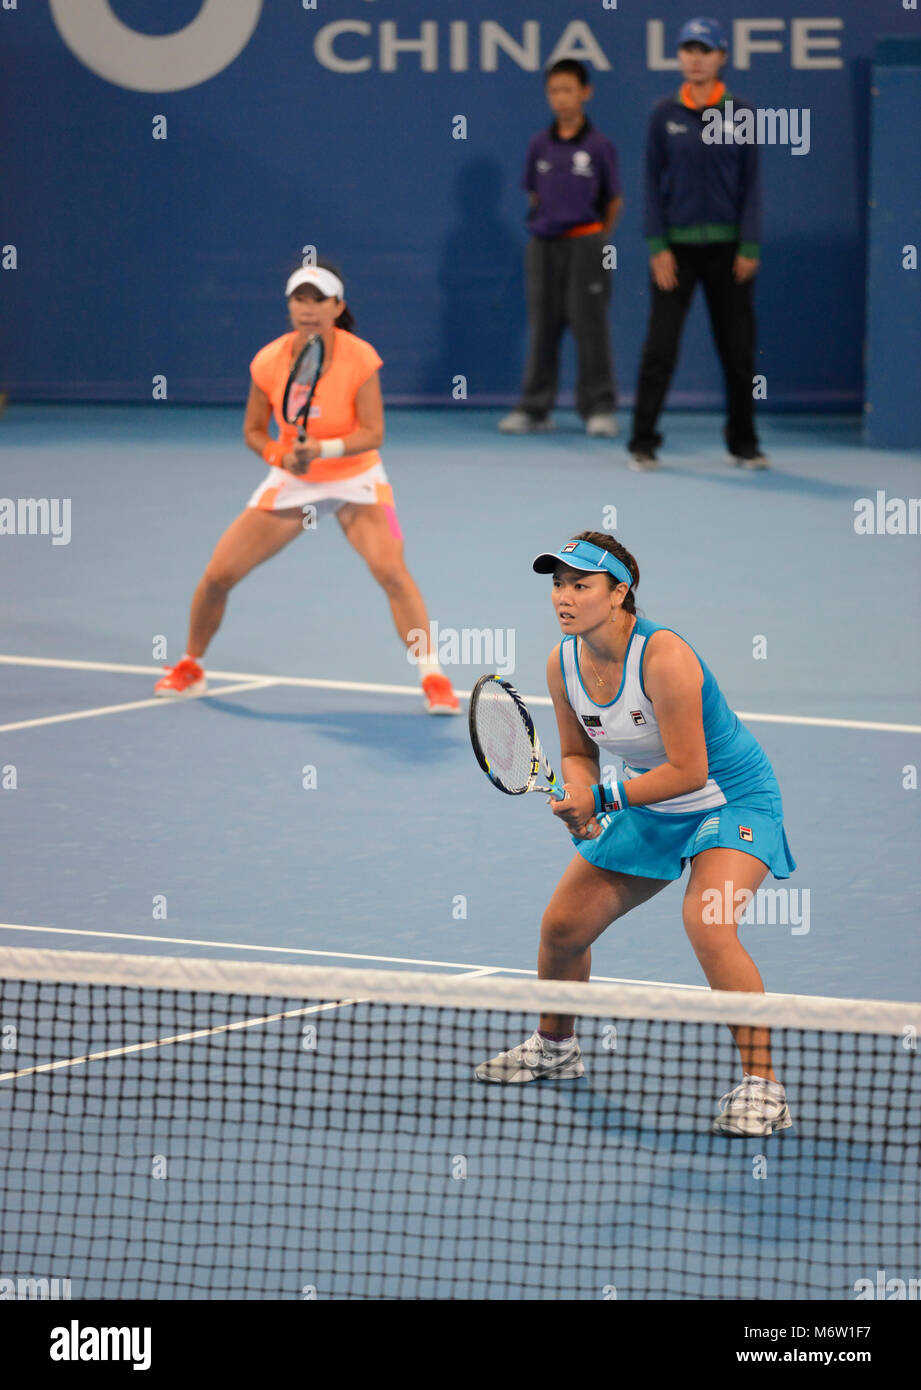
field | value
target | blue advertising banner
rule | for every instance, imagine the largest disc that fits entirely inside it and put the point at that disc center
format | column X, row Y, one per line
column 168, row 163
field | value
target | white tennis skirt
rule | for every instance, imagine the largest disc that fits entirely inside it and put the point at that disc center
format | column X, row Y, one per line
column 282, row 489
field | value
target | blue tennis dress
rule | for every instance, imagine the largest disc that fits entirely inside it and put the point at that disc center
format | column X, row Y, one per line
column 738, row 808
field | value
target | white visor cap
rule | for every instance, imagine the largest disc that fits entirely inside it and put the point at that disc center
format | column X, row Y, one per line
column 325, row 281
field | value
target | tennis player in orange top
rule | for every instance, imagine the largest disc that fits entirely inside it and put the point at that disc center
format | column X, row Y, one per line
column 337, row 469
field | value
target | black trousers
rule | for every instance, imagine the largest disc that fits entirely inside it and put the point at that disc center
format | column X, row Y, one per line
column 732, row 318
column 566, row 285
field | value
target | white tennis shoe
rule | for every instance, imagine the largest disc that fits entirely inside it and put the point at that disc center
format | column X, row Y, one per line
column 602, row 426
column 533, row 1060
column 520, row 422
column 754, row 1107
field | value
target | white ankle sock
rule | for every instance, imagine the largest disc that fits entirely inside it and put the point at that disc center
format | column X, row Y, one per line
column 428, row 666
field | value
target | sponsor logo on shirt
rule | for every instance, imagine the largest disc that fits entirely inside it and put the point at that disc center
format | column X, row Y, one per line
column 638, row 716
column 543, row 166
column 675, row 128
column 582, row 163
column 745, row 833
column 591, row 721
column 297, row 399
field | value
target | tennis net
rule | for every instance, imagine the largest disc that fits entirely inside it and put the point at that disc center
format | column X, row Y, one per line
column 208, row 1129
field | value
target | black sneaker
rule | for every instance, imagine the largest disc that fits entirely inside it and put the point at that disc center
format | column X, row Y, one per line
column 643, row 461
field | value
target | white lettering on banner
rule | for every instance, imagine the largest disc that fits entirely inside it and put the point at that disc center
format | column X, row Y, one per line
column 326, row 55
column 430, row 45
column 805, row 39
column 743, row 45
column 219, row 33
column 423, row 46
column 156, row 62
column 656, row 58
column 426, row 45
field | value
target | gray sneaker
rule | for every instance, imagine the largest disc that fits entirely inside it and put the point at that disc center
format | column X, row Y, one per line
column 754, row 1107
column 533, row 1060
column 752, row 460
column 520, row 422
column 603, row 426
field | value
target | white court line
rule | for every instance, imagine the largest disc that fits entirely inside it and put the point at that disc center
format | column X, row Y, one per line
column 821, row 723
column 256, row 684
column 199, row 1033
column 165, row 1042
column 332, row 955
column 375, row 688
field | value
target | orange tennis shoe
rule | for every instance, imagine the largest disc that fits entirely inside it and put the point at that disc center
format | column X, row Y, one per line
column 186, row 678
column 439, row 695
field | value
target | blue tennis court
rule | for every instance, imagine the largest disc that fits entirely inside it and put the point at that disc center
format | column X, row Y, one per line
column 202, row 805
column 307, row 811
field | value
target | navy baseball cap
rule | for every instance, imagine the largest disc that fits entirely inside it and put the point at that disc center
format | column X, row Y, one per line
column 706, row 31
column 582, row 555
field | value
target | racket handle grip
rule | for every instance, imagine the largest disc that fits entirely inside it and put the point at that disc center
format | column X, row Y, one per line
column 557, row 793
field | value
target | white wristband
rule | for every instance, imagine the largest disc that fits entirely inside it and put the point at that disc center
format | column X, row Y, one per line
column 332, row 448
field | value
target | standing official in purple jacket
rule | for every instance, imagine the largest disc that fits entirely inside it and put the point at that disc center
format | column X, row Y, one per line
column 703, row 210
column 573, row 184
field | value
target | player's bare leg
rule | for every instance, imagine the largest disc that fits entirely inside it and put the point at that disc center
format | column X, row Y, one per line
column 371, row 529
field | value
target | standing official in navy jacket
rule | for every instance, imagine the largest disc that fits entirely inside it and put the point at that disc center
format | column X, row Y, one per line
column 702, row 223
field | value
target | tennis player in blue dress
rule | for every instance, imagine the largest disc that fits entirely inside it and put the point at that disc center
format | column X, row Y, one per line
column 697, row 789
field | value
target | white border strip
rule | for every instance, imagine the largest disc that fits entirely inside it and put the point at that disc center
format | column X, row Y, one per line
column 374, row 688
column 592, row 1000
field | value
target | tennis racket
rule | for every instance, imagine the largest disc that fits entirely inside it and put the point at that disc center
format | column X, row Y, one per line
column 302, row 383
column 505, row 741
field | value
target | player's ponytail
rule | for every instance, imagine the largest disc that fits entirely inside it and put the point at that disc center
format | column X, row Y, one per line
column 346, row 320
column 606, row 542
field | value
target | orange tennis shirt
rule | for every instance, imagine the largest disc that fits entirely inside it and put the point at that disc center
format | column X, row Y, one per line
column 332, row 410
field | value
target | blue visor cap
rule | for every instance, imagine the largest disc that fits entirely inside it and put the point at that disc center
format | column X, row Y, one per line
column 582, row 555
column 706, row 31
